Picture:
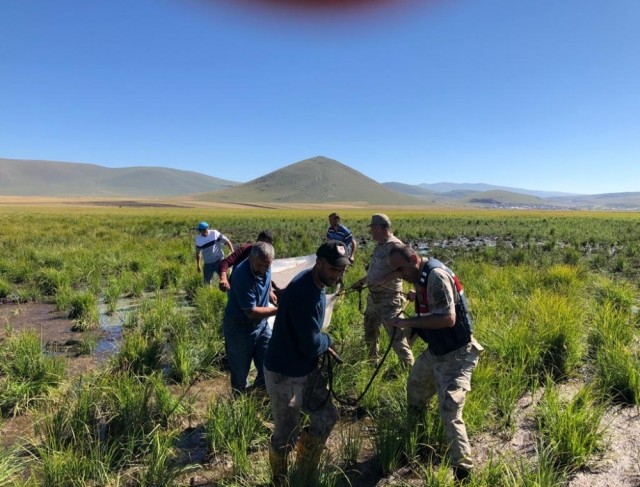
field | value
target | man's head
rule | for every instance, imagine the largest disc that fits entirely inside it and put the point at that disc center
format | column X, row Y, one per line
column 203, row 228
column 405, row 261
column 261, row 257
column 380, row 227
column 265, row 236
column 332, row 260
column 334, row 219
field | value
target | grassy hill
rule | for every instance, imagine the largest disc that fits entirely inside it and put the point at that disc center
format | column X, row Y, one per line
column 315, row 180
column 67, row 179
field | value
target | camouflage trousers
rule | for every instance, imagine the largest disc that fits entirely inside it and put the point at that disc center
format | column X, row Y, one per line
column 291, row 395
column 449, row 376
column 380, row 311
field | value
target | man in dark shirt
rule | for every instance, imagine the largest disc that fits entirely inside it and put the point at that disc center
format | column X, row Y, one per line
column 240, row 253
column 292, row 375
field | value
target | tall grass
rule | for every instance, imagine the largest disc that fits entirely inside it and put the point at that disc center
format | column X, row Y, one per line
column 547, row 297
column 27, row 374
column 5, row 288
column 614, row 355
column 235, row 427
column 11, row 465
column 618, row 373
column 571, row 431
column 83, row 308
column 389, row 434
column 103, row 425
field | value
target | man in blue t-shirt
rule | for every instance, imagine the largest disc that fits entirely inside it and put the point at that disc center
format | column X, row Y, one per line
column 292, row 375
column 339, row 232
column 246, row 331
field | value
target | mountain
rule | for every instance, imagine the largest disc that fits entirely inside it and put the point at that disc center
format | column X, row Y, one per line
column 69, row 179
column 448, row 187
column 410, row 189
column 615, row 201
column 315, row 180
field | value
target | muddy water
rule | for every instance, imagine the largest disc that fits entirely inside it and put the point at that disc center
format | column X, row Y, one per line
column 111, row 326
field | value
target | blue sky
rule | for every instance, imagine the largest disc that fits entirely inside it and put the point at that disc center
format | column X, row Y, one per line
column 540, row 94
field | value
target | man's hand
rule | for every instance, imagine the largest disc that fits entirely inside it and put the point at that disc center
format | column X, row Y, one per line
column 273, row 298
column 399, row 323
column 224, row 285
column 334, row 355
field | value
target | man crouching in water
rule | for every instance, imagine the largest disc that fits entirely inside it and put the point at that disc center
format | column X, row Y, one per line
column 291, row 368
column 442, row 320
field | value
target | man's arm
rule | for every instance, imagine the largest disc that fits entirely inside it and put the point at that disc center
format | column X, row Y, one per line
column 442, row 303
column 227, row 242
column 238, row 255
column 260, row 312
column 354, row 247
column 430, row 321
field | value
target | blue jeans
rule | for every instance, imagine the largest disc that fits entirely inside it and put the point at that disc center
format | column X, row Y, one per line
column 244, row 343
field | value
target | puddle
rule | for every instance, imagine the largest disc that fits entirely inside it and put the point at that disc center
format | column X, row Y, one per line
column 111, row 326
column 111, row 323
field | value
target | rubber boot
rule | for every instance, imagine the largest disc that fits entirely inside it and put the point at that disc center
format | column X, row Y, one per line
column 278, row 459
column 308, row 451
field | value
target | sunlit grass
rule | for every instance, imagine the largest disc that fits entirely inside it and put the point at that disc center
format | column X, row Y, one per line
column 551, row 294
column 27, row 374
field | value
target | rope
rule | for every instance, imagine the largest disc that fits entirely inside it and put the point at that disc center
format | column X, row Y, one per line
column 353, row 403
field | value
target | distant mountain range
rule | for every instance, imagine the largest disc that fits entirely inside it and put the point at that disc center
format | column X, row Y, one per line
column 69, row 179
column 479, row 187
column 311, row 181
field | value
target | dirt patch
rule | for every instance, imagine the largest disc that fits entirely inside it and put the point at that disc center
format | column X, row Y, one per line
column 52, row 325
column 57, row 337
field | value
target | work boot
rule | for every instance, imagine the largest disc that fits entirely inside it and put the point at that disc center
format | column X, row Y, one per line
column 278, row 461
column 308, row 451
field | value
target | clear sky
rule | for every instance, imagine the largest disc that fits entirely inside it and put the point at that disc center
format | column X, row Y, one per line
column 537, row 94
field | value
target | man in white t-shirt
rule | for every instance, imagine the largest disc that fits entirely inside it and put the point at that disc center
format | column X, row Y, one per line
column 209, row 245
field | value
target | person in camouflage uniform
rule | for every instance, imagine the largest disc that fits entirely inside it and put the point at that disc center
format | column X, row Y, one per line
column 442, row 320
column 386, row 299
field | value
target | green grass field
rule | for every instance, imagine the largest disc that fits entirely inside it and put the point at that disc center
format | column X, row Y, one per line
column 553, row 296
